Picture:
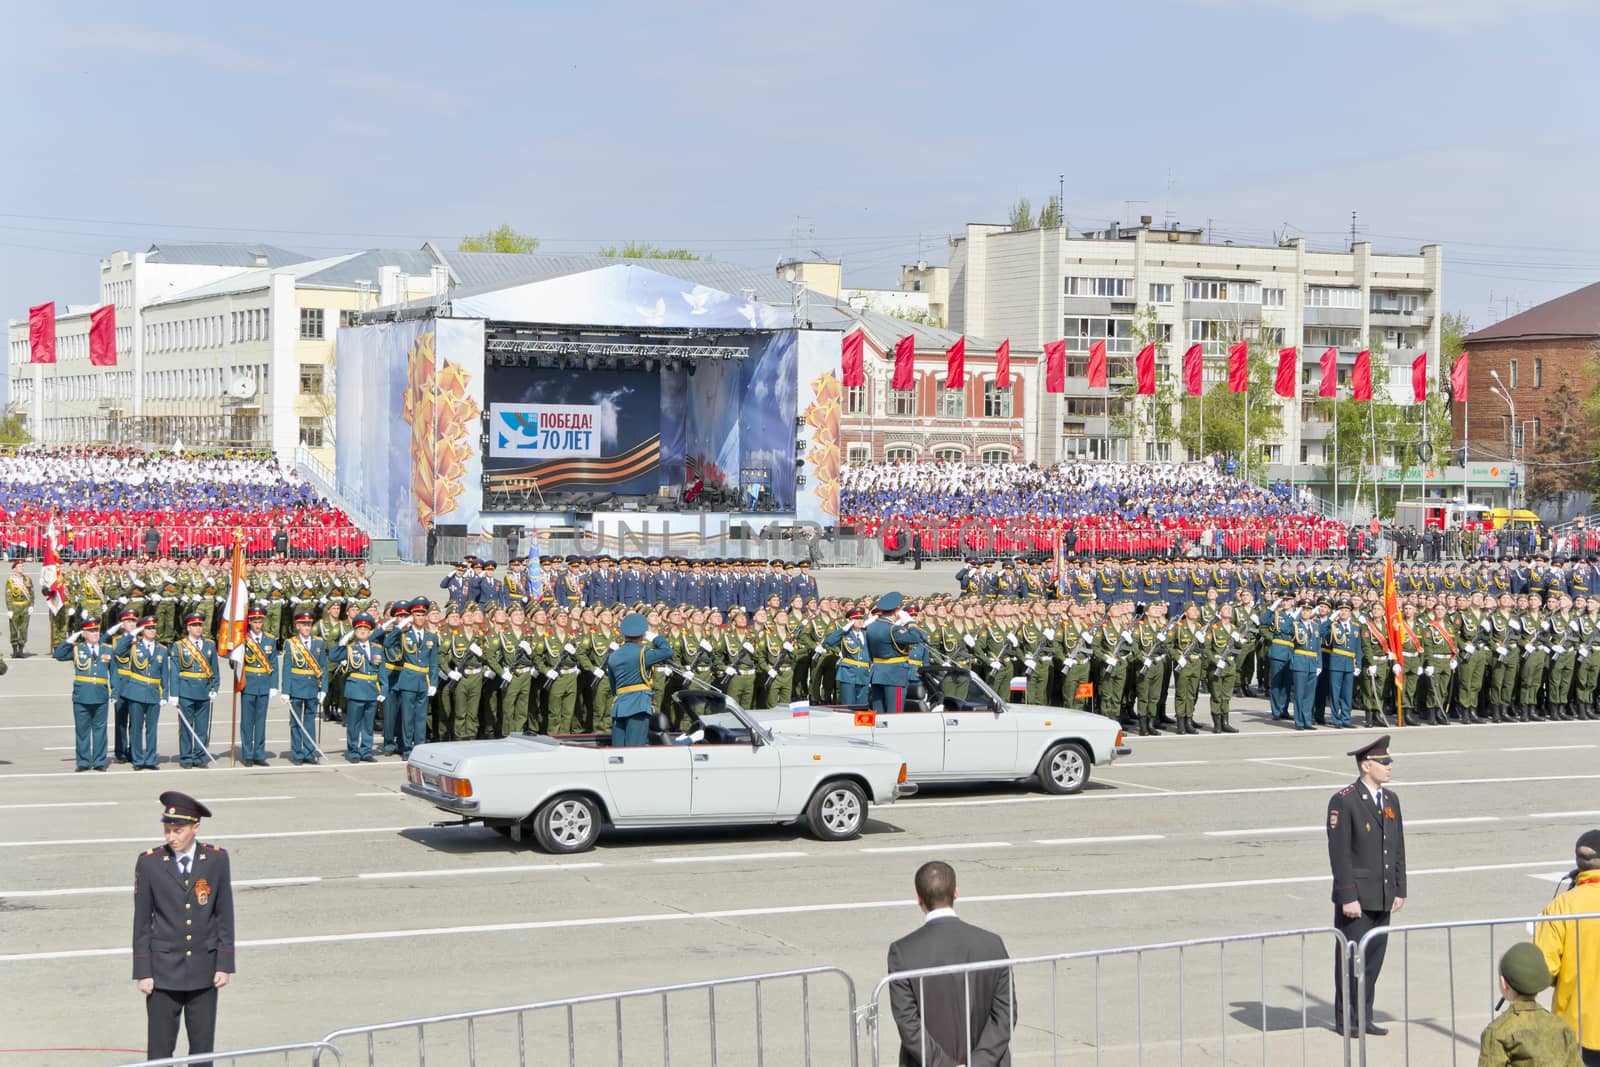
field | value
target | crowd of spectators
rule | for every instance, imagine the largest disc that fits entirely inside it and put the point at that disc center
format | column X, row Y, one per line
column 1093, row 509
column 128, row 502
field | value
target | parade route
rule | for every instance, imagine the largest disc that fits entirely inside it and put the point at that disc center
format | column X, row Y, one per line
column 343, row 883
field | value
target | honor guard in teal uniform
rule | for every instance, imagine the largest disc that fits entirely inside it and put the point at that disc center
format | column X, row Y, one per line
column 182, row 930
column 1344, row 663
column 141, row 677
column 91, row 693
column 363, row 687
column 854, row 675
column 303, row 682
column 192, row 679
column 889, row 644
column 1279, row 622
column 629, row 668
column 257, row 658
column 1305, row 665
column 415, row 654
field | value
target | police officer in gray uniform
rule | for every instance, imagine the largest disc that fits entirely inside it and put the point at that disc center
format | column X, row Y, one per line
column 182, row 930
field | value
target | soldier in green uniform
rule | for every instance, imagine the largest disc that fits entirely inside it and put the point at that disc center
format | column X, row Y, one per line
column 1563, row 658
column 1505, row 632
column 741, row 662
column 1588, row 672
column 560, row 653
column 777, row 650
column 1036, row 641
column 1223, row 645
column 1148, row 658
column 19, row 602
column 1439, row 665
column 1527, row 1033
column 1076, row 649
column 1189, row 646
column 594, row 688
column 1414, row 655
column 1112, row 645
column 1535, row 660
column 1472, row 637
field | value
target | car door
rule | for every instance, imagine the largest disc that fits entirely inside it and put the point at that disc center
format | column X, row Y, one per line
column 916, row 735
column 648, row 783
column 979, row 743
column 734, row 780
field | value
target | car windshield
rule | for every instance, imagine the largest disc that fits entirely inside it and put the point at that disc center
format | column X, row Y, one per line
column 725, row 705
column 951, row 680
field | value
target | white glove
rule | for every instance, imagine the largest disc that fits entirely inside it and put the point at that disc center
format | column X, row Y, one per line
column 524, row 646
column 321, row 696
column 569, row 649
column 1127, row 635
column 432, row 690
column 505, row 676
column 1428, row 670
column 1013, row 639
column 474, row 649
column 706, row 645
column 614, row 646
column 771, row 673
column 787, row 647
column 1398, row 670
column 347, row 638
column 551, row 674
column 599, row 672
column 271, row 693
column 1071, row 663
column 171, row 702
column 380, row 698
column 994, row 665
column 1030, row 664
column 1319, row 672
column 729, row 671
column 1452, row 664
column 1501, row 650
column 77, row 635
column 455, row 676
column 1372, row 671
column 283, row 697
column 1050, row 634
column 1516, row 624
column 748, row 647
column 1183, row 661
column 1111, row 661
column 1471, row 648
column 403, row 622
column 1148, row 663
column 970, row 641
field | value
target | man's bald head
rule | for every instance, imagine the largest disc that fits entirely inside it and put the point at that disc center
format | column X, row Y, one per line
column 936, row 885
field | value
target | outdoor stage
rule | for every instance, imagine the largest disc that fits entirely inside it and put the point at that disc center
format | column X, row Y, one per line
column 615, row 395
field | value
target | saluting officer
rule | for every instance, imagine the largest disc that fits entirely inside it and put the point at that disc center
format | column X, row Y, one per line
column 889, row 643
column 1305, row 665
column 91, row 691
column 854, row 673
column 629, row 669
column 1367, row 851
column 414, row 652
column 182, row 930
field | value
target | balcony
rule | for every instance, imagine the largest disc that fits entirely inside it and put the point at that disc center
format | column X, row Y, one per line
column 1221, row 310
column 1394, row 317
column 1326, row 316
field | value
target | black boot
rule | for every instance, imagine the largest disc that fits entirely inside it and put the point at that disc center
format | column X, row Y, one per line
column 1216, row 723
column 1228, row 727
column 1381, row 719
column 1591, row 711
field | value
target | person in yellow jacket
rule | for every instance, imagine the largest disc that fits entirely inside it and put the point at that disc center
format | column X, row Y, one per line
column 1573, row 956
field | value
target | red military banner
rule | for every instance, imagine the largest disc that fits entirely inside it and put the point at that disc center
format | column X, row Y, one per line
column 1002, row 365
column 955, row 364
column 1144, row 371
column 1193, row 371
column 905, row 357
column 852, row 359
column 1238, row 367
column 1288, row 366
column 1361, row 376
column 103, row 337
column 42, row 333
column 1097, row 365
column 1330, row 374
column 1458, row 379
column 1055, row 367
column 1419, row 378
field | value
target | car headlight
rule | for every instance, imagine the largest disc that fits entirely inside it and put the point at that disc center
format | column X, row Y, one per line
column 902, row 779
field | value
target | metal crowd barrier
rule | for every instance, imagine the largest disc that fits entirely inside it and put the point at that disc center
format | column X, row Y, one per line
column 684, row 1029
column 190, row 542
column 283, row 1054
column 1431, row 1026
column 1171, row 998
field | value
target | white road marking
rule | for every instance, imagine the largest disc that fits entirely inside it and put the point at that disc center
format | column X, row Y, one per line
column 446, row 872
column 1134, row 785
column 70, row 804
column 144, row 838
column 1262, row 831
column 1159, row 763
column 962, row 846
column 1564, row 814
column 731, row 858
column 385, row 793
column 748, row 913
column 1098, row 840
column 1273, row 759
column 1453, row 821
column 1285, row 763
column 222, row 764
column 1554, row 877
column 114, row 890
column 1544, row 748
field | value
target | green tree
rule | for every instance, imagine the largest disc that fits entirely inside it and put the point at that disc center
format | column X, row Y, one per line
column 14, row 430
column 1150, row 418
column 646, row 250
column 1563, row 464
column 500, row 239
column 1022, row 214
column 1223, row 414
column 1050, row 214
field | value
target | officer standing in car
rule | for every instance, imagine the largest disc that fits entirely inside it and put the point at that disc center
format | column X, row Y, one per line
column 629, row 668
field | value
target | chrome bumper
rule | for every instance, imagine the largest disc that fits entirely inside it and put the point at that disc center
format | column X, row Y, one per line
column 1121, row 750
column 460, row 805
column 905, row 789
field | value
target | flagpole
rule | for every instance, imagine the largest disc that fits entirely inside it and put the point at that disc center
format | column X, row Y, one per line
column 1372, row 428
column 1246, row 449
column 1336, row 446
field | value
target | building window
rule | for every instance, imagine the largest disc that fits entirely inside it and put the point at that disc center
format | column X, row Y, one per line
column 1223, row 291
column 311, row 432
column 949, row 455
column 1115, row 288
column 1320, row 337
column 858, row 454
column 1538, row 374
column 855, row 399
column 1516, row 437
column 1326, row 296
column 347, row 318
column 310, row 324
column 1161, row 452
column 1513, row 369
column 900, row 454
column 1160, row 292
column 997, row 401
column 1080, row 333
column 952, row 403
column 1213, row 335
column 902, row 401
column 1272, row 298
column 995, row 456
column 311, row 379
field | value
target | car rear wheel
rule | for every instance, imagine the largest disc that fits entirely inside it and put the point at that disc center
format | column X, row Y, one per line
column 837, row 812
column 1064, row 769
column 566, row 824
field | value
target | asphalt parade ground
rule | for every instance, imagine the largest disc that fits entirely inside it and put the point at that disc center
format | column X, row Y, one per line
column 352, row 908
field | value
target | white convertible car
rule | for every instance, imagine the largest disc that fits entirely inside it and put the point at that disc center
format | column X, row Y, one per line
column 960, row 730
column 726, row 769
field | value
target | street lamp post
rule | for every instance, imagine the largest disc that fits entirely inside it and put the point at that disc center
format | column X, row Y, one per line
column 1499, row 389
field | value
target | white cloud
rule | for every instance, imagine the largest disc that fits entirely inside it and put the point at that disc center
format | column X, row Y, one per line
column 1431, row 14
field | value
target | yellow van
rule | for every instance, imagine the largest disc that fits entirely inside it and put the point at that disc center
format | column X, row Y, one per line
column 1516, row 519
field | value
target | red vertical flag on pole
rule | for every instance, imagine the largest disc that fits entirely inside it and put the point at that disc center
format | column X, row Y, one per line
column 42, row 333
column 1193, row 371
column 1055, row 367
column 1361, row 376
column 1458, row 379
column 1394, row 627
column 955, row 364
column 1330, row 374
column 55, row 590
column 1002, row 365
column 1288, row 366
column 1097, row 365
column 1419, row 378
column 1238, row 367
column 1144, row 371
column 103, row 337
column 852, row 359
column 905, row 356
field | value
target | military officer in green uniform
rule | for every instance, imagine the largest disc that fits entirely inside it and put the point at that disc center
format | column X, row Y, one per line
column 1563, row 659
column 1189, row 646
column 19, row 602
column 1112, row 646
column 560, row 653
column 1505, row 632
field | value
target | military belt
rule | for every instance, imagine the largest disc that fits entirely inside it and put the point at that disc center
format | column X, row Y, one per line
column 364, row 677
column 854, row 662
column 893, row 659
column 1281, row 641
column 1304, row 652
column 296, row 670
column 1342, row 652
column 633, row 689
column 414, row 667
column 203, row 676
column 92, row 681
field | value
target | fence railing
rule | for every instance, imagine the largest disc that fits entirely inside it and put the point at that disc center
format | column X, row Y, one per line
column 1155, row 1003
column 1442, row 1019
column 326, row 482
column 673, row 1023
column 26, row 540
column 309, row 1053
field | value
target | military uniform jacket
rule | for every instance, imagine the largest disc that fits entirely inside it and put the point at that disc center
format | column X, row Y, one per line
column 1366, row 848
column 141, row 673
column 260, row 664
column 1528, row 1034
column 182, row 931
column 414, row 655
column 91, row 673
column 889, row 647
column 366, row 666
column 192, row 672
column 629, row 668
column 303, row 667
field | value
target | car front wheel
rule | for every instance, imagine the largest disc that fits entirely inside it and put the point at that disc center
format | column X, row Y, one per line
column 837, row 812
column 566, row 824
column 1064, row 769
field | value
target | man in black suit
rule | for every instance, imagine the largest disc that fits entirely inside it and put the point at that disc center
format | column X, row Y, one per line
column 958, row 1020
column 182, row 930
column 1367, row 850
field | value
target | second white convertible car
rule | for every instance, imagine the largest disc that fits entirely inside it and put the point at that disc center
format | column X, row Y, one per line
column 955, row 728
column 725, row 769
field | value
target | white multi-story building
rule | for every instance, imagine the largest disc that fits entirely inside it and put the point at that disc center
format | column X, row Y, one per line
column 1035, row 286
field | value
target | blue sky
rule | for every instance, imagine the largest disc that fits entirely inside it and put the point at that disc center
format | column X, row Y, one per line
column 868, row 131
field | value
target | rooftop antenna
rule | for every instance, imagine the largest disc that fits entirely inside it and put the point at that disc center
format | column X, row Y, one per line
column 1061, row 200
column 1166, row 211
column 1352, row 231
